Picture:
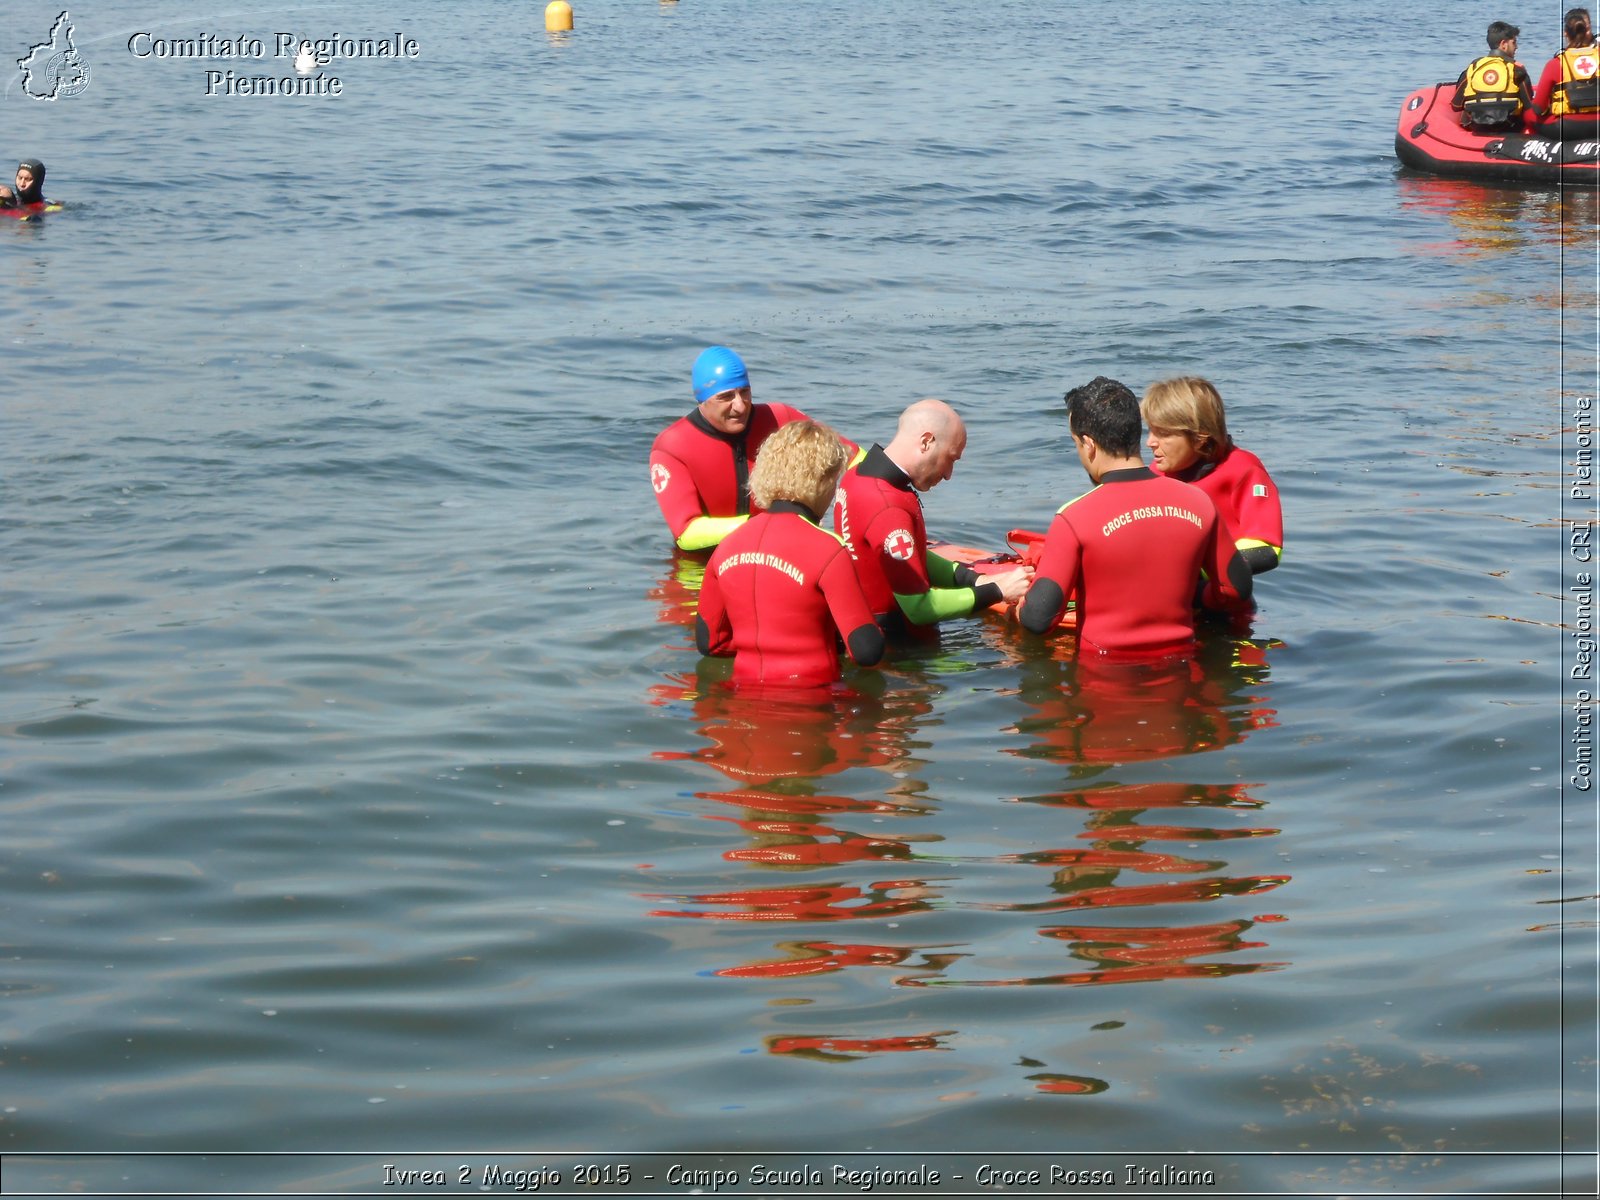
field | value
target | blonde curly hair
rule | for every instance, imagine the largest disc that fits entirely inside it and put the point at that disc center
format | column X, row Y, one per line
column 801, row 462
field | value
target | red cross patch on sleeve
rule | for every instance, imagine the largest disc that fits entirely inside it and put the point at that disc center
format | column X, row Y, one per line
column 900, row 545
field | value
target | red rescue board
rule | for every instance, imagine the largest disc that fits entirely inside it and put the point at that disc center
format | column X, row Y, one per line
column 1025, row 548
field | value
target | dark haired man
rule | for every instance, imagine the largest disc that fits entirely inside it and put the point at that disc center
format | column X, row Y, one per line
column 1495, row 91
column 1133, row 546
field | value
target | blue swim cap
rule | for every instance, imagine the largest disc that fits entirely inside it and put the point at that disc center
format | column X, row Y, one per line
column 717, row 370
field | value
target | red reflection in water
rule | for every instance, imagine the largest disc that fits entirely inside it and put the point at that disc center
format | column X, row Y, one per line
column 822, row 958
column 1134, row 955
column 800, row 842
column 1068, row 1085
column 766, row 736
column 846, row 1049
column 1152, row 943
column 891, row 898
column 1134, row 796
column 678, row 594
column 1494, row 219
column 1095, row 712
column 1153, row 893
column 1133, row 860
column 848, row 849
column 1171, row 833
column 778, row 802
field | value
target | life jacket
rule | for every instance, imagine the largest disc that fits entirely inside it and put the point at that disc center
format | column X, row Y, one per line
column 1579, row 89
column 1491, row 96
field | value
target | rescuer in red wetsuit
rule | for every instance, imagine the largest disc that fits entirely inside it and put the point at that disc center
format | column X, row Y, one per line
column 1568, row 91
column 1189, row 441
column 28, row 186
column 1133, row 546
column 879, row 516
column 700, row 464
column 780, row 591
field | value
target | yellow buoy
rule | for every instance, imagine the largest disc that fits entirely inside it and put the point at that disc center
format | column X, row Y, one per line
column 557, row 16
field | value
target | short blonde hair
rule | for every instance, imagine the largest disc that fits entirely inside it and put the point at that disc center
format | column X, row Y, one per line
column 801, row 462
column 1189, row 405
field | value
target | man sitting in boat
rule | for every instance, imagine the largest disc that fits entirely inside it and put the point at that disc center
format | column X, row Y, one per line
column 1569, row 87
column 1495, row 91
column 700, row 464
column 879, row 516
column 29, row 189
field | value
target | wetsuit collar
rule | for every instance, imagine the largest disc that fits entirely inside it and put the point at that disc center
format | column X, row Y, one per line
column 1203, row 468
column 878, row 465
column 698, row 420
column 795, row 507
column 1127, row 475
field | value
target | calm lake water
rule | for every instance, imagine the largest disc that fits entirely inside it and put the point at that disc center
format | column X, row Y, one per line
column 362, row 792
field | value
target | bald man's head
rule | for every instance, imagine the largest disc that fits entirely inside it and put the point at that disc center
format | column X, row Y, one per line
column 927, row 443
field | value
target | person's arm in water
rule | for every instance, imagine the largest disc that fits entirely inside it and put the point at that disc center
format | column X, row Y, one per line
column 682, row 508
column 1229, row 583
column 956, row 590
column 926, row 587
column 1054, row 580
column 713, row 633
column 1258, row 556
column 703, row 533
column 848, row 606
column 1253, row 510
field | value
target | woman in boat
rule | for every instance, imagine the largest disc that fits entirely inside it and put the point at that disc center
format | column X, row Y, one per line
column 1568, row 94
column 780, row 591
column 1189, row 441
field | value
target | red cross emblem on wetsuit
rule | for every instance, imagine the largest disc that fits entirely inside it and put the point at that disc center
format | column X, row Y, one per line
column 899, row 544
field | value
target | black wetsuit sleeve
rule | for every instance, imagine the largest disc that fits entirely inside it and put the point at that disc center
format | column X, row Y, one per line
column 866, row 644
column 1259, row 558
column 987, row 595
column 1041, row 605
column 1239, row 576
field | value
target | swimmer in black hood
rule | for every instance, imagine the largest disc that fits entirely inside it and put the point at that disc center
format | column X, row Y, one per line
column 29, row 185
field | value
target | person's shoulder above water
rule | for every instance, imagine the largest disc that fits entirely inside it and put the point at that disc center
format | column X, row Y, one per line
column 1135, row 547
column 880, row 518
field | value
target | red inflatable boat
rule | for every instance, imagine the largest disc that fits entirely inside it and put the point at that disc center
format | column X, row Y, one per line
column 1429, row 137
